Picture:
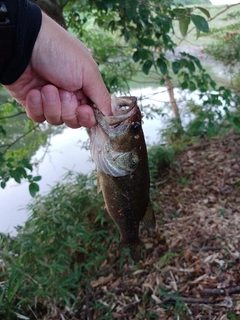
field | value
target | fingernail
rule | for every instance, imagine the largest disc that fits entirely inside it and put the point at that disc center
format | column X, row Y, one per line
column 66, row 96
column 35, row 100
column 50, row 97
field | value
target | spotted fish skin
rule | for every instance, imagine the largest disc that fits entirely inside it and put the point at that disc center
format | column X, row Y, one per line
column 119, row 151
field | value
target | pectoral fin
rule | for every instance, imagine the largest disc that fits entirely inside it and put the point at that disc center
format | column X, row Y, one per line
column 115, row 163
column 148, row 220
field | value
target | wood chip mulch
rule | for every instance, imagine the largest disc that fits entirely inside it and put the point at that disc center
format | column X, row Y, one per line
column 191, row 265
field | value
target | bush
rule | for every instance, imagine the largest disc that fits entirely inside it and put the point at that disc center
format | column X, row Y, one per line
column 160, row 158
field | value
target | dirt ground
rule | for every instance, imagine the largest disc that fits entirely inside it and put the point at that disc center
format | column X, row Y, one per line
column 190, row 268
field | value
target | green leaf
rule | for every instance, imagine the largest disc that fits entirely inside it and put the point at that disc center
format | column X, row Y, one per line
column 200, row 22
column 3, row 131
column 148, row 42
column 136, row 56
column 236, row 122
column 184, row 85
column 191, row 66
column 176, row 66
column 198, row 32
column 205, row 11
column 37, row 178
column 147, row 66
column 162, row 66
column 180, row 12
column 33, row 188
column 144, row 53
column 26, row 164
column 166, row 23
column 126, row 35
column 183, row 25
column 18, row 173
column 3, row 184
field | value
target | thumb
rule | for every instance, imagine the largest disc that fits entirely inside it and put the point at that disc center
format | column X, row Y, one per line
column 94, row 88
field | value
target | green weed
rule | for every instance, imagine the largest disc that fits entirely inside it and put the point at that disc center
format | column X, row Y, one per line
column 167, row 257
column 160, row 158
column 232, row 316
column 58, row 250
column 174, row 304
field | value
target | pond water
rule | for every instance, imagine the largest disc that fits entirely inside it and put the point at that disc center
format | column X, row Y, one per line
column 65, row 153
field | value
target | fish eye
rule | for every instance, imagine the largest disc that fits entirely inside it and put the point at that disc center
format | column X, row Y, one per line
column 135, row 127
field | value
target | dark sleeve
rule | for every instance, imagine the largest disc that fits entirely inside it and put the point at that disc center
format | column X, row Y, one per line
column 26, row 19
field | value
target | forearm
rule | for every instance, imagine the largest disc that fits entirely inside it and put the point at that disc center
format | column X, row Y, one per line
column 17, row 41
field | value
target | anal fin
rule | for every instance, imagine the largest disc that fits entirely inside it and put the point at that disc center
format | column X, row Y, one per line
column 148, row 220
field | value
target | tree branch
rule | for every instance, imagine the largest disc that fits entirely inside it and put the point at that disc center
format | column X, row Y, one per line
column 12, row 116
column 221, row 291
column 187, row 300
column 209, row 292
column 18, row 139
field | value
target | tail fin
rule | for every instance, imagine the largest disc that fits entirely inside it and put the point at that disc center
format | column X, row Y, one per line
column 135, row 249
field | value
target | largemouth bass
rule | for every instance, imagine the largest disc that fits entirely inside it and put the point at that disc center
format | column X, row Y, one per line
column 119, row 151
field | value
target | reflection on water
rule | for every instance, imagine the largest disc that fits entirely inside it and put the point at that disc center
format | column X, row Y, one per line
column 65, row 154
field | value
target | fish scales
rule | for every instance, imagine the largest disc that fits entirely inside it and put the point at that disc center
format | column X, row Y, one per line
column 119, row 151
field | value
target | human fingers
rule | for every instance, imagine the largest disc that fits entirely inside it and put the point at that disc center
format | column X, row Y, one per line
column 69, row 105
column 34, row 108
column 76, row 111
column 84, row 111
column 86, row 116
column 51, row 102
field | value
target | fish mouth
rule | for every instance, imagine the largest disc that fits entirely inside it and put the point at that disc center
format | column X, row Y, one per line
column 122, row 108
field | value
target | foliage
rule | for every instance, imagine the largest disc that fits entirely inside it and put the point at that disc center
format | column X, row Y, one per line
column 53, row 255
column 160, row 158
column 142, row 29
column 215, row 113
column 225, row 47
column 20, row 139
column 226, row 50
column 16, row 145
column 191, row 2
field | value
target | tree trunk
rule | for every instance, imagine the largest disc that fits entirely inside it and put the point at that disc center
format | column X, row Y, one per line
column 174, row 105
column 53, row 9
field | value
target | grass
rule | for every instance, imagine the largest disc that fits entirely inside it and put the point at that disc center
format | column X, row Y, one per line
column 50, row 263
column 3, row 95
column 54, row 254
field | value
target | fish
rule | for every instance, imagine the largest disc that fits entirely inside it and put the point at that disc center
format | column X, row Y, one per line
column 118, row 148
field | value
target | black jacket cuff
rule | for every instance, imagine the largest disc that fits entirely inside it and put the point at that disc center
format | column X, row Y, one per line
column 26, row 18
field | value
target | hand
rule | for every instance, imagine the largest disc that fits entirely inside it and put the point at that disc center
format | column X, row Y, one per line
column 61, row 80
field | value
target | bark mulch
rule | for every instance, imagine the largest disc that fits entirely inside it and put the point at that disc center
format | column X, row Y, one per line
column 191, row 265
